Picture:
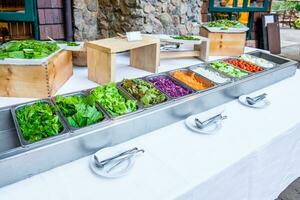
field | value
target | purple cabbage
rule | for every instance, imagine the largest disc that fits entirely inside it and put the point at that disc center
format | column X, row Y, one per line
column 169, row 86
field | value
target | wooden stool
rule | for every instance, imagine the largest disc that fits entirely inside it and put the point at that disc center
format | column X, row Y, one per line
column 101, row 55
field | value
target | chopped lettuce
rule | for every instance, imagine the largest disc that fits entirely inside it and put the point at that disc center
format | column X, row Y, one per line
column 112, row 100
column 38, row 121
column 78, row 110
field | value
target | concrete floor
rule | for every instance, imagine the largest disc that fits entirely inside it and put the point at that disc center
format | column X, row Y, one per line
column 290, row 43
column 289, row 37
column 292, row 192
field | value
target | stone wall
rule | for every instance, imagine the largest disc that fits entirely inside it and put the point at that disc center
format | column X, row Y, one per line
column 104, row 18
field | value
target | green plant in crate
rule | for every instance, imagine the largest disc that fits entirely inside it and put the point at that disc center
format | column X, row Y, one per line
column 78, row 110
column 38, row 121
column 27, row 49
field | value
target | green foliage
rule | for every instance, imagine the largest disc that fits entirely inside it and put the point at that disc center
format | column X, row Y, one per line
column 27, row 49
column 78, row 110
column 112, row 100
column 225, row 24
column 71, row 44
column 144, row 92
column 284, row 5
column 38, row 121
column 185, row 37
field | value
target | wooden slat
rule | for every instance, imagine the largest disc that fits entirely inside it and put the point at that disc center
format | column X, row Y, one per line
column 146, row 58
column 179, row 54
column 101, row 66
column 115, row 45
column 60, row 69
column 274, row 38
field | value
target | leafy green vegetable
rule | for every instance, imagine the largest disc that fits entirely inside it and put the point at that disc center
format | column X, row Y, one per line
column 228, row 69
column 185, row 37
column 225, row 24
column 74, row 44
column 78, row 110
column 38, row 121
column 27, row 49
column 144, row 91
column 112, row 100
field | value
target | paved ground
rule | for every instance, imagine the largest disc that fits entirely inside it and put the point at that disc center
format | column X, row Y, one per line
column 290, row 43
column 292, row 192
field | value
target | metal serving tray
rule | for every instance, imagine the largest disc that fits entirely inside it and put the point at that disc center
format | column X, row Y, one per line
column 166, row 76
column 8, row 133
column 41, row 142
column 265, row 68
column 225, row 74
column 14, row 159
column 82, row 129
column 168, row 100
column 271, row 57
column 205, row 66
column 126, row 95
column 207, row 81
column 237, row 58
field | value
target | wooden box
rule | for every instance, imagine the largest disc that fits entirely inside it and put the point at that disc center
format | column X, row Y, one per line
column 225, row 43
column 36, row 81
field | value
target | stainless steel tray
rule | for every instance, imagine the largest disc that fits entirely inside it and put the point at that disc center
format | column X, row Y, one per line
column 175, row 81
column 43, row 141
column 82, row 129
column 237, row 58
column 207, row 81
column 228, row 75
column 126, row 95
column 274, row 64
column 271, row 57
column 205, row 66
column 116, row 131
column 168, row 99
column 8, row 133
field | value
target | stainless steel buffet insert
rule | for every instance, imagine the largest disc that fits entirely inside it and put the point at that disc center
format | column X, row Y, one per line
column 17, row 162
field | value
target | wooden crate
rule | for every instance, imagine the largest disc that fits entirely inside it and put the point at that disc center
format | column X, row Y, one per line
column 36, row 81
column 225, row 44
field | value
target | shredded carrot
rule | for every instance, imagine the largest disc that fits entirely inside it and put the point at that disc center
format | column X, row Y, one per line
column 191, row 80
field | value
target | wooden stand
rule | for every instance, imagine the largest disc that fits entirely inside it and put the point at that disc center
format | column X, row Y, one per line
column 225, row 43
column 200, row 49
column 101, row 55
column 36, row 81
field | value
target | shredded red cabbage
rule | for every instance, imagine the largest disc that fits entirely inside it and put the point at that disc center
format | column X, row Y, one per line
column 168, row 86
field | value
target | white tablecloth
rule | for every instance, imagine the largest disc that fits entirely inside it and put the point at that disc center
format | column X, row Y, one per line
column 254, row 156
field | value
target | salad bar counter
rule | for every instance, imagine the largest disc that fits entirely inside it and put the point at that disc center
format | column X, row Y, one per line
column 44, row 134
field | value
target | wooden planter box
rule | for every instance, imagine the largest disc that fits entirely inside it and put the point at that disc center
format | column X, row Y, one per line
column 36, row 81
column 225, row 43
